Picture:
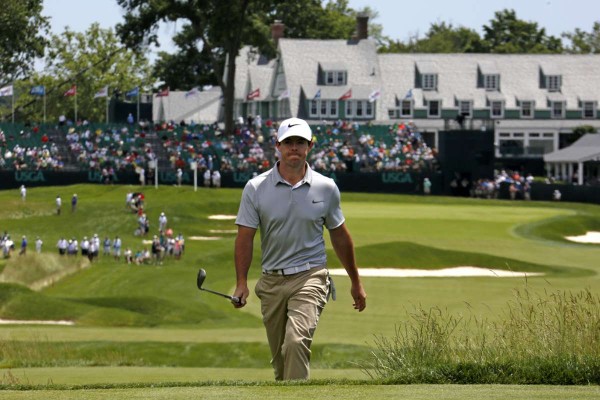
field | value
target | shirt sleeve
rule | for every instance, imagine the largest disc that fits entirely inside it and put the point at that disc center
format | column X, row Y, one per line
column 334, row 217
column 247, row 213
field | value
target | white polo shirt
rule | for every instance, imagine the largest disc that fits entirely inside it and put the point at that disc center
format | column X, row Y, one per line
column 291, row 218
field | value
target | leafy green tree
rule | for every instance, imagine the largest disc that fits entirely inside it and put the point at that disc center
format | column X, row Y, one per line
column 214, row 31
column 90, row 60
column 220, row 26
column 508, row 34
column 441, row 38
column 22, row 37
column 582, row 42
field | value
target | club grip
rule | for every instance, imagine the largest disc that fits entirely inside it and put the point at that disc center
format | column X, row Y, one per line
column 235, row 299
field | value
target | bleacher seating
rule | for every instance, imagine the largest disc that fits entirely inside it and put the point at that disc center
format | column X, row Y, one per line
column 341, row 146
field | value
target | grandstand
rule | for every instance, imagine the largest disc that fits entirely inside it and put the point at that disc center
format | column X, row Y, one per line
column 339, row 147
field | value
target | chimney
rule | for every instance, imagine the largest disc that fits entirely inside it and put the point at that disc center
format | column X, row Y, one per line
column 277, row 28
column 362, row 26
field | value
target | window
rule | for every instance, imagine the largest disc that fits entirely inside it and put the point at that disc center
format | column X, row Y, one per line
column 329, row 78
column 491, row 82
column 465, row 108
column 323, row 108
column 336, row 78
column 497, row 109
column 314, row 104
column 558, row 109
column 434, row 108
column 406, row 108
column 253, row 107
column 333, row 108
column 283, row 107
column 553, row 83
column 588, row 109
column 527, row 109
column 360, row 109
column 429, row 81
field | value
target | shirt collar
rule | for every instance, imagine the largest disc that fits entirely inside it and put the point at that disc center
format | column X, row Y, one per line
column 277, row 178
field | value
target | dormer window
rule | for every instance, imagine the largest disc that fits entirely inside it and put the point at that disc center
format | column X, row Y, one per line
column 429, row 81
column 491, row 82
column 553, row 83
column 488, row 75
column 336, row 78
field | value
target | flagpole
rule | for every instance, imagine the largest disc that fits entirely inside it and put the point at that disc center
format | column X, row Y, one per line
column 138, row 106
column 75, row 122
column 44, row 105
column 107, row 101
column 13, row 104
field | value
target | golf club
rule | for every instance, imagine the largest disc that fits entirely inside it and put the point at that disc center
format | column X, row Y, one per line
column 200, row 281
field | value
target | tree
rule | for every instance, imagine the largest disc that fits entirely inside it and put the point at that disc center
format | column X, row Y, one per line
column 441, row 38
column 508, row 34
column 221, row 27
column 90, row 60
column 22, row 37
column 583, row 42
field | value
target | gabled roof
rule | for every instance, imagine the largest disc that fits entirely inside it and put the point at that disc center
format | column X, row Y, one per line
column 587, row 148
column 519, row 78
column 301, row 59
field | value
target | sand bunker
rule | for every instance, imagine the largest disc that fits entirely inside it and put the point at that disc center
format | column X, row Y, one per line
column 205, row 238
column 437, row 273
column 223, row 230
column 21, row 322
column 222, row 217
column 589, row 237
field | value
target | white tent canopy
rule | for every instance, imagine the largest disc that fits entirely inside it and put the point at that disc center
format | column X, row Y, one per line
column 584, row 150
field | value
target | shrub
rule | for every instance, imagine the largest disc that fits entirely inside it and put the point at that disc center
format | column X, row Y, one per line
column 549, row 338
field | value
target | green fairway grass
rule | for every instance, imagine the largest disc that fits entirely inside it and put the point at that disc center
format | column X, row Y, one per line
column 324, row 391
column 154, row 316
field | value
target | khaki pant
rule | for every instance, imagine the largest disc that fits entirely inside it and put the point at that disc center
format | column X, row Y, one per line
column 291, row 306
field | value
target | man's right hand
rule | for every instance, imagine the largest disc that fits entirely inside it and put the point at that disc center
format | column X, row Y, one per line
column 241, row 293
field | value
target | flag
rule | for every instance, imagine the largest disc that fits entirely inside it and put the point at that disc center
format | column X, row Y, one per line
column 374, row 95
column 133, row 92
column 163, row 93
column 284, row 95
column 192, row 92
column 6, row 91
column 317, row 95
column 71, row 92
column 253, row 94
column 347, row 95
column 408, row 94
column 38, row 90
column 102, row 92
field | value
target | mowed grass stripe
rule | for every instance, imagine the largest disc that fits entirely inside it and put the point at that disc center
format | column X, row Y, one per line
column 325, row 390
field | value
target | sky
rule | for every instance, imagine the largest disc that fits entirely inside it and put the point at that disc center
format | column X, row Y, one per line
column 400, row 19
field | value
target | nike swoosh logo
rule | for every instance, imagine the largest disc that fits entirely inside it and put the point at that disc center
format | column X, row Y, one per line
column 317, row 201
column 291, row 125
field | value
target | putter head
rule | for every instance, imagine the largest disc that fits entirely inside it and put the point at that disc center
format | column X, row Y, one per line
column 201, row 278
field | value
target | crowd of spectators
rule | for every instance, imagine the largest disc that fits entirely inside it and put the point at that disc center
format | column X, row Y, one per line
column 340, row 146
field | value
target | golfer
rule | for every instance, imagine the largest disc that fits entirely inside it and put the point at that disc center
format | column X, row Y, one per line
column 290, row 204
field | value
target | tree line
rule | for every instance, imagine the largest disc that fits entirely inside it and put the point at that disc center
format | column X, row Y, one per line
column 209, row 37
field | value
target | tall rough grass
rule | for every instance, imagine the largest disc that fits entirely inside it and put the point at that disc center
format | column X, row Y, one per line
column 547, row 338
